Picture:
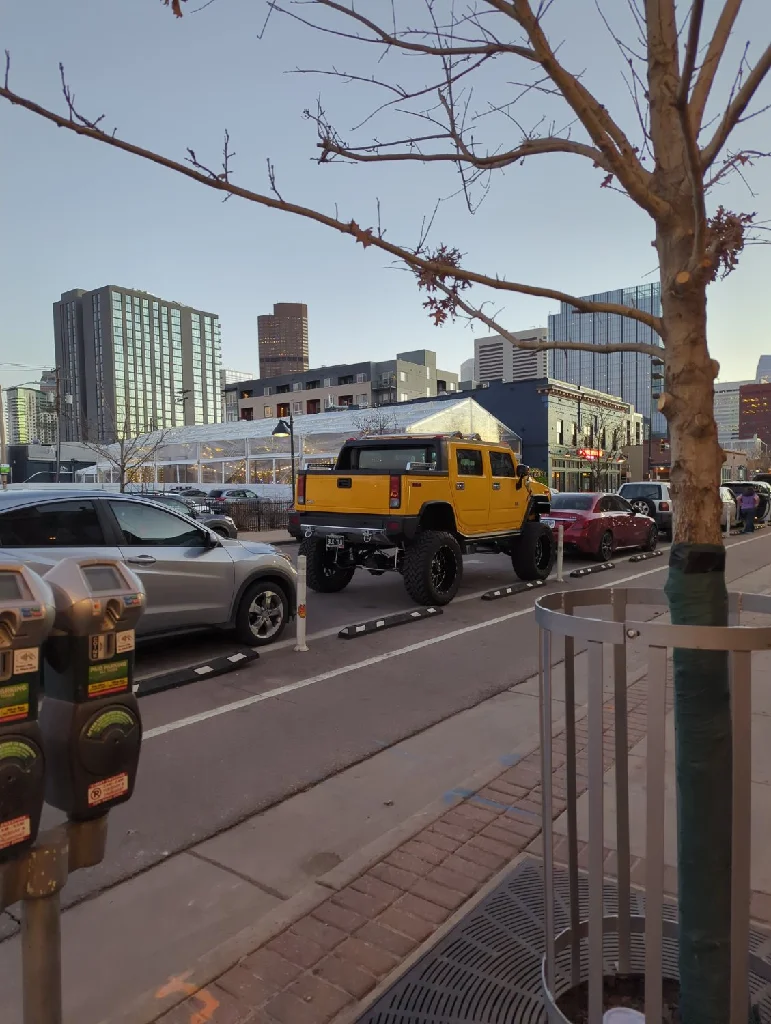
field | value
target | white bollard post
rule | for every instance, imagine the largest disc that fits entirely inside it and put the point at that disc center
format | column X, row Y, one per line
column 302, row 594
column 560, row 551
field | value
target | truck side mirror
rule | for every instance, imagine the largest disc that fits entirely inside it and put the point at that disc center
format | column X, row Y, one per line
column 523, row 471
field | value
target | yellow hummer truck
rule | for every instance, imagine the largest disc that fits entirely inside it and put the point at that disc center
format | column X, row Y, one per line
column 416, row 504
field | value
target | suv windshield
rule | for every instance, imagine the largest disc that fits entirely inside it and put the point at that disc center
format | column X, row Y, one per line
column 388, row 459
column 631, row 491
column 578, row 502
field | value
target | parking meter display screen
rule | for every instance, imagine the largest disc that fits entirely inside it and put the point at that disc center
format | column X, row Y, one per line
column 10, row 589
column 103, row 578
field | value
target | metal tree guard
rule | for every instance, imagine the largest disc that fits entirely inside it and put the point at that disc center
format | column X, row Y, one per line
column 641, row 937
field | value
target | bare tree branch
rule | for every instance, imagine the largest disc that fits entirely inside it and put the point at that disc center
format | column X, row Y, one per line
column 708, row 70
column 365, row 236
column 602, row 129
column 736, row 108
column 390, row 39
column 477, row 313
column 530, row 147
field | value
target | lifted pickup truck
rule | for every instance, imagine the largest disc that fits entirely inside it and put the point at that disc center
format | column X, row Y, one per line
column 415, row 504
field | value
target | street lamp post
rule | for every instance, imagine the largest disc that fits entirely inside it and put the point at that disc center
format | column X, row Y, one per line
column 282, row 429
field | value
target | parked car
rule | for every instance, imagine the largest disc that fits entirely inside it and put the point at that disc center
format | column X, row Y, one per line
column 763, row 491
column 188, row 492
column 652, row 498
column 729, row 515
column 221, row 496
column 192, row 577
column 220, row 524
column 599, row 524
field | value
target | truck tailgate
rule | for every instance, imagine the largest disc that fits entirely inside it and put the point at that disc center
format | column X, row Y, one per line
column 347, row 492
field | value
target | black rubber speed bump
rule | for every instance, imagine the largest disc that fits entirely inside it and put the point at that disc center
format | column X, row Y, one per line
column 387, row 622
column 591, row 569
column 195, row 673
column 515, row 588
column 643, row 556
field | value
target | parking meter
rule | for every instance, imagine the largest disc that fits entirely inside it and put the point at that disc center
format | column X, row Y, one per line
column 90, row 718
column 26, row 617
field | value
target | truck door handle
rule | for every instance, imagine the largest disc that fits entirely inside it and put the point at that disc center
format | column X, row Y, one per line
column 141, row 560
column 460, row 487
column 344, row 481
column 496, row 487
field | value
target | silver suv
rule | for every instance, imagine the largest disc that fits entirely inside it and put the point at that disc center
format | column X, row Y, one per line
column 192, row 577
column 652, row 498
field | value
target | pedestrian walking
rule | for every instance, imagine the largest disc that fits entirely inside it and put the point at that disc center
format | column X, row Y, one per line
column 748, row 503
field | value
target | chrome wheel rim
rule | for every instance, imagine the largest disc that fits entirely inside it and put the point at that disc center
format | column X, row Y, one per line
column 266, row 614
column 443, row 570
column 606, row 546
column 640, row 506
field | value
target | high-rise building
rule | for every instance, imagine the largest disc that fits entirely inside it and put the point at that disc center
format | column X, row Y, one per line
column 726, row 407
column 282, row 338
column 498, row 359
column 763, row 372
column 131, row 362
column 755, row 412
column 30, row 416
column 627, row 374
column 21, row 405
column 467, row 371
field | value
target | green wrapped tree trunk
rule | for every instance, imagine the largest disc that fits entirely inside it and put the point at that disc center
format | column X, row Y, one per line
column 697, row 596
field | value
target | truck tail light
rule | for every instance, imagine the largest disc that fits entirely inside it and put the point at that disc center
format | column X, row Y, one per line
column 664, row 506
column 395, row 492
column 301, row 489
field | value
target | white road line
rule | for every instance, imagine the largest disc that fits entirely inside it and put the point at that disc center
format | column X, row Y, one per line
column 322, row 677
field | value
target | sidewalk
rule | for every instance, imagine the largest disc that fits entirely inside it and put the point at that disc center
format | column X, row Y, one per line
column 355, row 935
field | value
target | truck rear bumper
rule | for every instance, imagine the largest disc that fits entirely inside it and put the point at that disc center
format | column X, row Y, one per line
column 365, row 530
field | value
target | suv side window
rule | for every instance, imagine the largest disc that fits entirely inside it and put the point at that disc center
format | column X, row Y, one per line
column 54, row 524
column 501, row 464
column 154, row 527
column 469, row 462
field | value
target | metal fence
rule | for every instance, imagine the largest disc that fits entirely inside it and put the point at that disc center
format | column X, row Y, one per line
column 612, row 938
column 263, row 514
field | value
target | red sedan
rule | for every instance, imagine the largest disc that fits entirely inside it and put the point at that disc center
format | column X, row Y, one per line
column 599, row 524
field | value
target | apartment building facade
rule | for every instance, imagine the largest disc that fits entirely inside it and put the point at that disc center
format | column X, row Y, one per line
column 342, row 386
column 498, row 359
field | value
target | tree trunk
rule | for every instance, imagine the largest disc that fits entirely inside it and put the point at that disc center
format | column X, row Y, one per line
column 697, row 595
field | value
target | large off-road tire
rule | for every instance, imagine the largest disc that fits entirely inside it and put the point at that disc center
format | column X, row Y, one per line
column 533, row 552
column 323, row 574
column 433, row 568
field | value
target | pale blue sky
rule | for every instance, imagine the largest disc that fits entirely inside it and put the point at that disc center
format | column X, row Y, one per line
column 74, row 213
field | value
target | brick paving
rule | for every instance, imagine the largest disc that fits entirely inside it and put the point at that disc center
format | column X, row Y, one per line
column 330, row 959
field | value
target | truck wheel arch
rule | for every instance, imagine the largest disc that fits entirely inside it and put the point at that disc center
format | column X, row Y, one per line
column 437, row 515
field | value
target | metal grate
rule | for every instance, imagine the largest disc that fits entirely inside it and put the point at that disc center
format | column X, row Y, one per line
column 487, row 969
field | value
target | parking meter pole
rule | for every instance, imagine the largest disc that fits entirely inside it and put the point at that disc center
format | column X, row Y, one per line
column 41, row 959
column 36, row 878
column 302, row 595
column 560, row 552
